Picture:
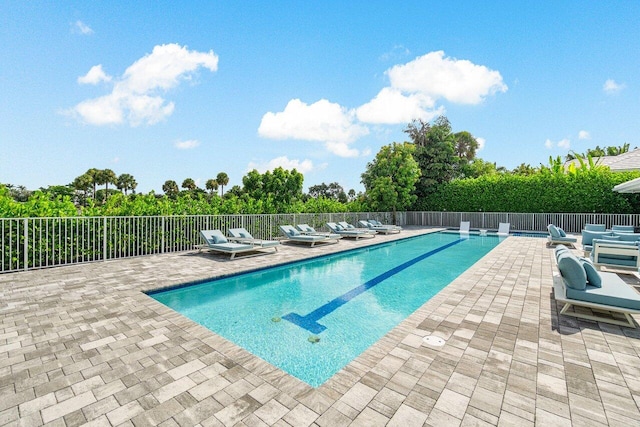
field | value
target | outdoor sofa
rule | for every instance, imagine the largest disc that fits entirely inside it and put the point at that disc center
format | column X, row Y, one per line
column 581, row 286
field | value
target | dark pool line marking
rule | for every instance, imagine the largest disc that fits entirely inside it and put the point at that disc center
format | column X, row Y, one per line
column 310, row 321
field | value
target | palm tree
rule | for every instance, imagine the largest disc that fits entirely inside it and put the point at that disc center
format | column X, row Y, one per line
column 106, row 177
column 211, row 185
column 126, row 182
column 83, row 184
column 222, row 180
column 170, row 188
column 465, row 145
column 189, row 184
column 93, row 175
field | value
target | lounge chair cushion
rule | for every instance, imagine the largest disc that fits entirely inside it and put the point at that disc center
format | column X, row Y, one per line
column 553, row 230
column 293, row 232
column 614, row 292
column 219, row 239
column 593, row 276
column 560, row 249
column 595, row 227
column 339, row 227
column 245, row 235
column 572, row 271
column 562, row 233
column 588, row 236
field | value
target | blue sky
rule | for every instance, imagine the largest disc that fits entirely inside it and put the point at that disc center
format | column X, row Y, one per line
column 165, row 90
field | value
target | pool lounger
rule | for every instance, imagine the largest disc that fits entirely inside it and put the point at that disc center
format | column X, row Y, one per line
column 216, row 242
column 294, row 235
column 240, row 235
column 385, row 229
column 352, row 233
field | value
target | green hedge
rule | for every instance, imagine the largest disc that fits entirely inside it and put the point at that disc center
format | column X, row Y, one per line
column 586, row 191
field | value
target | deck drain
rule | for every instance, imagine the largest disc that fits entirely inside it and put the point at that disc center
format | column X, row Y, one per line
column 433, row 340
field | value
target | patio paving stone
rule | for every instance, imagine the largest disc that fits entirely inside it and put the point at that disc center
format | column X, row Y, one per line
column 82, row 345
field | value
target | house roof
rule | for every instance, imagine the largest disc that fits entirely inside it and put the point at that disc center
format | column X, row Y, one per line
column 629, row 161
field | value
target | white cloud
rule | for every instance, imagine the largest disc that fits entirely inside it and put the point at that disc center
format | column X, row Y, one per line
column 481, row 143
column 390, row 106
column 186, row 145
column 82, row 28
column 95, row 75
column 563, row 143
column 458, row 81
column 321, row 121
column 611, row 87
column 284, row 162
column 583, row 134
column 135, row 95
column 396, row 52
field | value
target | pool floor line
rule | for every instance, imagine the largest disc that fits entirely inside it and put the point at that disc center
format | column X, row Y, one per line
column 310, row 321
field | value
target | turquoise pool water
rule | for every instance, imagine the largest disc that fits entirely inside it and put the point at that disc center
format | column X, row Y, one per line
column 348, row 301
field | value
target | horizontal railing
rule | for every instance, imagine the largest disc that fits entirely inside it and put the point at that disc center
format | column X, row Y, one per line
column 570, row 222
column 30, row 243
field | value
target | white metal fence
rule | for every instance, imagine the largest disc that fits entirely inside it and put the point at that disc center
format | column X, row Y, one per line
column 31, row 243
column 570, row 222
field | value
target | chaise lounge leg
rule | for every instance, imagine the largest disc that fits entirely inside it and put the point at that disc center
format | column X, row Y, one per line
column 629, row 323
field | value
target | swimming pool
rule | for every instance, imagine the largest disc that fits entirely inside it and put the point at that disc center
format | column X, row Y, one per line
column 311, row 318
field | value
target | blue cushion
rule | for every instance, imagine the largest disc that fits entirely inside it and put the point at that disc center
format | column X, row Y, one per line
column 627, row 237
column 623, row 228
column 572, row 271
column 553, row 230
column 593, row 276
column 560, row 249
column 595, row 227
column 614, row 291
column 562, row 233
column 339, row 227
column 588, row 236
column 245, row 235
column 219, row 239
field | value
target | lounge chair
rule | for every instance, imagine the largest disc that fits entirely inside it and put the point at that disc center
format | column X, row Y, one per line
column 464, row 227
column 595, row 227
column 216, row 241
column 557, row 236
column 294, row 235
column 241, row 235
column 503, row 229
column 348, row 226
column 379, row 224
column 581, row 285
column 307, row 229
column 352, row 233
column 386, row 229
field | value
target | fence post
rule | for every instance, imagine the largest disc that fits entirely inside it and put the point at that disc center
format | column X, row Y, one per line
column 25, row 245
column 164, row 231
column 104, row 239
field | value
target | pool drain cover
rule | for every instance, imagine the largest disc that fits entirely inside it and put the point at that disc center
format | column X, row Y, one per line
column 433, row 340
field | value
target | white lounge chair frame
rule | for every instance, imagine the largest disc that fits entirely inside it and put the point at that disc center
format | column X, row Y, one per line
column 236, row 236
column 606, row 248
column 560, row 295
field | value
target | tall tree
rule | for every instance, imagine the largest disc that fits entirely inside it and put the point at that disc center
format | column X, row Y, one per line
column 391, row 177
column 94, row 176
column 222, row 179
column 126, row 182
column 434, row 152
column 189, row 184
column 106, row 177
column 465, row 145
column 82, row 184
column 170, row 188
column 211, row 185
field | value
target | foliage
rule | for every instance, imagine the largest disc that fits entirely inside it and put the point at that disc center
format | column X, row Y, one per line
column 276, row 189
column 599, row 152
column 332, row 191
column 391, row 177
column 222, row 179
column 435, row 154
column 588, row 190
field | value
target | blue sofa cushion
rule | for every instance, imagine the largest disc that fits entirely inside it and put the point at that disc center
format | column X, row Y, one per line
column 595, row 227
column 562, row 233
column 219, row 239
column 627, row 237
column 588, row 236
column 593, row 276
column 614, row 292
column 560, row 249
column 572, row 271
column 623, row 228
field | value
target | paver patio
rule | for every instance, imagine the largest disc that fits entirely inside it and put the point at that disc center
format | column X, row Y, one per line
column 82, row 344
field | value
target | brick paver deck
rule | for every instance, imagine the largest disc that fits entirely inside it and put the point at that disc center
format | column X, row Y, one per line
column 82, row 344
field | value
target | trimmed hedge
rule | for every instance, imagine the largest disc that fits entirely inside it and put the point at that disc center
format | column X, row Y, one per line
column 585, row 191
